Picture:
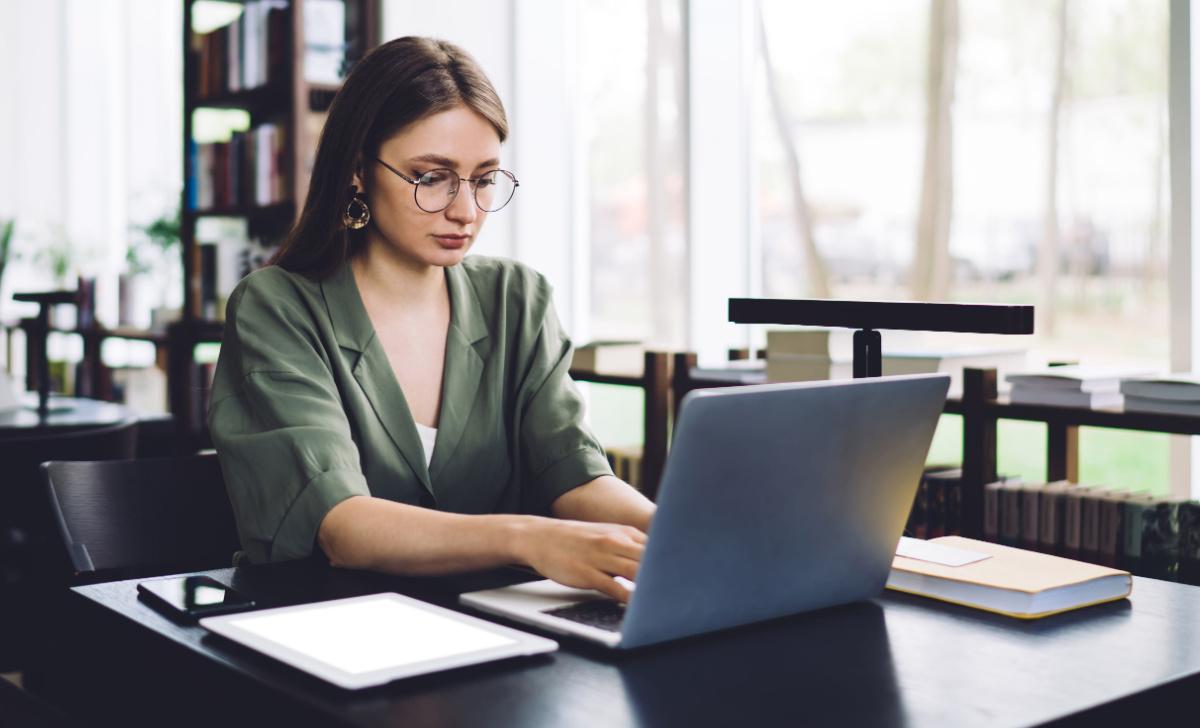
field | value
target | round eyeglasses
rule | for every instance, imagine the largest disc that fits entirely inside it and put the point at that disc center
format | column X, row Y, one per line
column 436, row 189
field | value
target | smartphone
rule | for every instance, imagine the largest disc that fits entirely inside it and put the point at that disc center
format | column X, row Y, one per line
column 192, row 597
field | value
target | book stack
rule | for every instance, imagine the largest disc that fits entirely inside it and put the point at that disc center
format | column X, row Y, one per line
column 809, row 354
column 610, row 357
column 248, row 53
column 248, row 170
column 1070, row 386
column 1174, row 394
column 626, row 463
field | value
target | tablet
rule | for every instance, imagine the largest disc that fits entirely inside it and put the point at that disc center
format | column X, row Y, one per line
column 370, row 640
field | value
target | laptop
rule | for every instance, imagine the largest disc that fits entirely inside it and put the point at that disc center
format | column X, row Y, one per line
column 776, row 499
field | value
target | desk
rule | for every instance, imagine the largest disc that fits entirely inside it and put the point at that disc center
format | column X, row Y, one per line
column 896, row 660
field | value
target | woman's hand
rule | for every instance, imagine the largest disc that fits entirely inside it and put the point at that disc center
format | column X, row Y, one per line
column 584, row 555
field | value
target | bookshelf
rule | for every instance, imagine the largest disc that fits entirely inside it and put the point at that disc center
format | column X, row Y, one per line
column 264, row 64
column 981, row 408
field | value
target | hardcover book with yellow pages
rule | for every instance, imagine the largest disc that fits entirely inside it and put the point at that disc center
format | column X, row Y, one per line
column 1010, row 581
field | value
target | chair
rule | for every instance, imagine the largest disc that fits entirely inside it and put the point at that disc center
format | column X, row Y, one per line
column 129, row 518
column 32, row 562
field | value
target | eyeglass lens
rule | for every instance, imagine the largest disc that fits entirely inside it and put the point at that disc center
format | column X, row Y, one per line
column 437, row 188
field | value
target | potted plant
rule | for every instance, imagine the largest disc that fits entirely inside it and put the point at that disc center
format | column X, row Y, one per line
column 154, row 251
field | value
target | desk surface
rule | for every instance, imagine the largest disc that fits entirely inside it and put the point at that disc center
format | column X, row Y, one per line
column 896, row 660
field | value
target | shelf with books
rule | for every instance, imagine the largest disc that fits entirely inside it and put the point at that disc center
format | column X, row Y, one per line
column 281, row 61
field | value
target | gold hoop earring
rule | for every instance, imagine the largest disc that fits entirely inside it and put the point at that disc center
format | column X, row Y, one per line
column 356, row 219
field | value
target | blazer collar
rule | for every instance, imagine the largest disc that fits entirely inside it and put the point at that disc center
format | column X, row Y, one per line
column 467, row 346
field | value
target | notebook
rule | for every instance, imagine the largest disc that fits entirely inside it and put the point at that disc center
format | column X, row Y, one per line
column 1013, row 582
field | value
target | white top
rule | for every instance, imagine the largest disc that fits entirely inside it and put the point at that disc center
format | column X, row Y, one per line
column 428, row 438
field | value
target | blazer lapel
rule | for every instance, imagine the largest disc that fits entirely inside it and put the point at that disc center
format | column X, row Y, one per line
column 467, row 347
column 372, row 370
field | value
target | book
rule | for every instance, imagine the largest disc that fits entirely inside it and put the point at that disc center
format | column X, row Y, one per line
column 1089, row 524
column 1072, row 378
column 811, row 342
column 626, row 463
column 1134, row 510
column 1013, row 582
column 1160, row 539
column 918, row 516
column 1169, row 387
column 1073, row 519
column 991, row 510
column 1109, row 537
column 1030, row 515
column 1189, row 543
column 1065, row 397
column 1010, row 512
column 610, row 357
column 807, row 368
column 1051, row 513
column 946, row 493
column 935, row 492
column 1161, row 406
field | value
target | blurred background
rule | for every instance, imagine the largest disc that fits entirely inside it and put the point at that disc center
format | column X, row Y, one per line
column 671, row 154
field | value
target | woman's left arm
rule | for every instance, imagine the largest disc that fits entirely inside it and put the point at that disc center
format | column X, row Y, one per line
column 607, row 499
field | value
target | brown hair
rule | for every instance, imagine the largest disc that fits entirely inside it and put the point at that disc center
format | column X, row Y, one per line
column 398, row 83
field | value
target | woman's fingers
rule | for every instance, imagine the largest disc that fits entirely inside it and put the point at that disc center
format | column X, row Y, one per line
column 620, row 566
column 610, row 587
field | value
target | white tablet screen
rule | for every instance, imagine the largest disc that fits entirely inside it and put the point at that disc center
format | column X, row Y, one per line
column 365, row 635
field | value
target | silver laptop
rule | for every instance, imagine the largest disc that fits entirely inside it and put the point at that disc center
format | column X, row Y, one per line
column 776, row 499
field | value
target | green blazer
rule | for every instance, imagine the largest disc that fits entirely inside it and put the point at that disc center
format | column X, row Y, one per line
column 306, row 411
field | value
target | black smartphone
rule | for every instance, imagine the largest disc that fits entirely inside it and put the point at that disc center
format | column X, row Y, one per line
column 193, row 597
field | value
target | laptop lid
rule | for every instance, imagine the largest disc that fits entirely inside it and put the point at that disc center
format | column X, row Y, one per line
column 779, row 499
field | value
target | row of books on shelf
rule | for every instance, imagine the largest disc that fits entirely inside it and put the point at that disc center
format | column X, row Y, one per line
column 247, row 53
column 1147, row 535
column 248, row 170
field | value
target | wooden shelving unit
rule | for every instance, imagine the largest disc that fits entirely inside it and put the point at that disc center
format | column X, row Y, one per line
column 288, row 100
column 655, row 381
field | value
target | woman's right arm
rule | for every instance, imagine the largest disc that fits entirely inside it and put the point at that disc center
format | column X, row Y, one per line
column 364, row 532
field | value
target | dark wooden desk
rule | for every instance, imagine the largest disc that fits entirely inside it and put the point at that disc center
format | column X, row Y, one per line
column 897, row 660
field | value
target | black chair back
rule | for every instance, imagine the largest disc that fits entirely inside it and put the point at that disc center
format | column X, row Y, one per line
column 129, row 518
column 34, row 568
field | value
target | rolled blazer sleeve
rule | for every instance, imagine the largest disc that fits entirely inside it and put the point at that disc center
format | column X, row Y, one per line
column 559, row 450
column 277, row 422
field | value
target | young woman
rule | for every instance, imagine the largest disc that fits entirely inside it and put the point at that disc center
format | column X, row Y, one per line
column 385, row 400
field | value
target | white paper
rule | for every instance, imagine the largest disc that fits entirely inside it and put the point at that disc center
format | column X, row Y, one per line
column 915, row 548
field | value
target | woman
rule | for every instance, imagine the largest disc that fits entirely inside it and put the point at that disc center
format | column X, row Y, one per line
column 386, row 401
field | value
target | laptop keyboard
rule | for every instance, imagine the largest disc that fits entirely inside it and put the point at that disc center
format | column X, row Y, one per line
column 604, row 614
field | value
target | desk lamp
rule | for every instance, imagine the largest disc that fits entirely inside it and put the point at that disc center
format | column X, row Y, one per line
column 869, row 317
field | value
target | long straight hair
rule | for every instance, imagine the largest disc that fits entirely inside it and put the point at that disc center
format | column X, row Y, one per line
column 398, row 83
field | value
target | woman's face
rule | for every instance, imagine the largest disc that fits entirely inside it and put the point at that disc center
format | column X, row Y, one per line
column 457, row 139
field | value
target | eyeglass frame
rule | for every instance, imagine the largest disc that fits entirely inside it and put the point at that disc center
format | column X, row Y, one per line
column 416, row 183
